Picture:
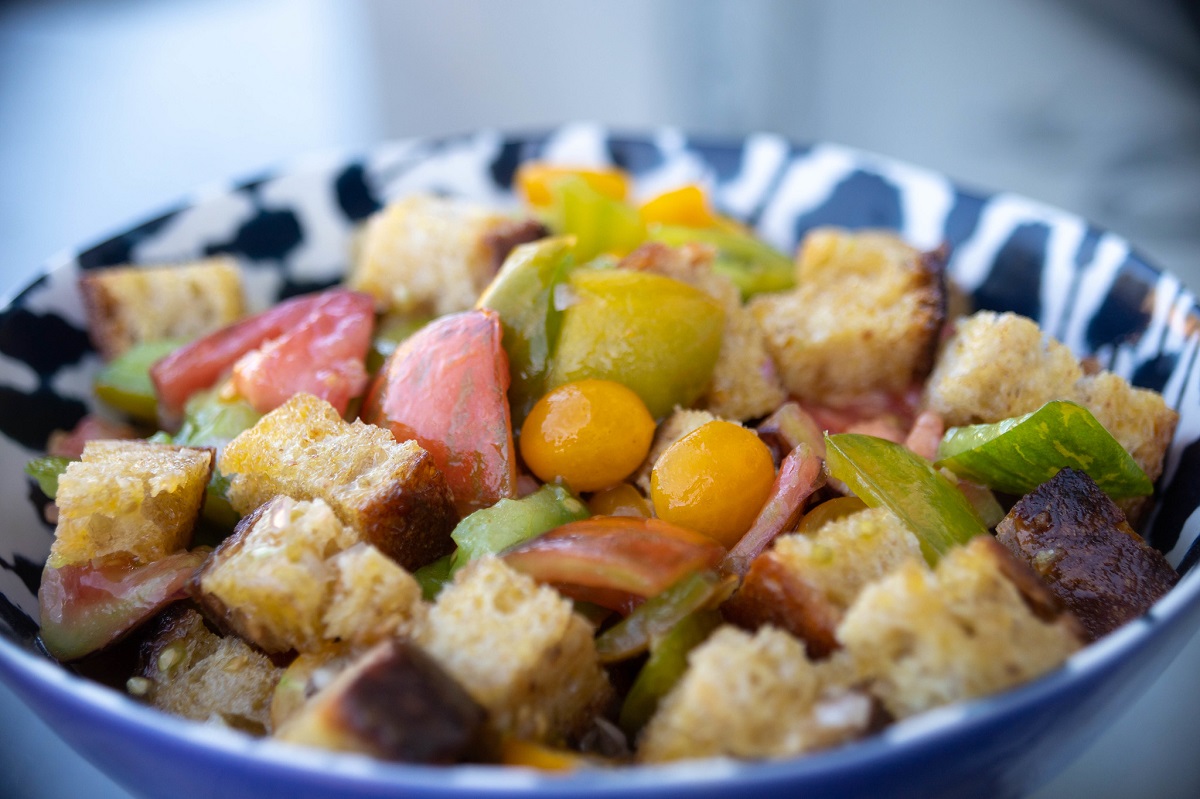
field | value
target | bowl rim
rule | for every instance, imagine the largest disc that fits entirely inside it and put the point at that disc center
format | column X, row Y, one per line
column 29, row 672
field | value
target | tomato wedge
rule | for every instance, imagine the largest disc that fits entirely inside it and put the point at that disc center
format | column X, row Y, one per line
column 446, row 387
column 87, row 606
column 625, row 554
column 316, row 344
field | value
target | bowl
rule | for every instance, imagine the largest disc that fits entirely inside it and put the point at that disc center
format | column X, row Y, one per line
column 291, row 229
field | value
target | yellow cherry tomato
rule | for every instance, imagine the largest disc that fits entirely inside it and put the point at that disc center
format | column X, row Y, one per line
column 714, row 480
column 621, row 499
column 534, row 179
column 590, row 434
column 686, row 205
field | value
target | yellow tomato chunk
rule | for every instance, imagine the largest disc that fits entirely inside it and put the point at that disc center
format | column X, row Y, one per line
column 714, row 480
column 535, row 179
column 590, row 434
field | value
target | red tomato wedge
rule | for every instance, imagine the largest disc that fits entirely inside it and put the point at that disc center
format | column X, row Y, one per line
column 619, row 554
column 446, row 387
column 799, row 476
column 87, row 606
column 316, row 344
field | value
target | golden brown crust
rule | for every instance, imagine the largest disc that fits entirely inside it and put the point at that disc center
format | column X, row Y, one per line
column 773, row 594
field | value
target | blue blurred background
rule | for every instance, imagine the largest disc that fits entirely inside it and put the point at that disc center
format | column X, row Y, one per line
column 112, row 108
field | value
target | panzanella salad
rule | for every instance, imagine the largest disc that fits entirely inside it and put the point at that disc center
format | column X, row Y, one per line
column 605, row 482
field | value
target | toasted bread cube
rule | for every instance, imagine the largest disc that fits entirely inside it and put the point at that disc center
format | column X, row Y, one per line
column 293, row 577
column 928, row 638
column 128, row 305
column 190, row 671
column 997, row 366
column 864, row 317
column 520, row 650
column 129, row 496
column 806, row 582
column 750, row 697
column 308, row 673
column 681, row 422
column 396, row 703
column 432, row 255
column 391, row 493
column 1081, row 544
column 745, row 383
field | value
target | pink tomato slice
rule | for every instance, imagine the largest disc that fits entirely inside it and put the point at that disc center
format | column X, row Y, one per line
column 87, row 606
column 446, row 387
column 619, row 555
column 318, row 344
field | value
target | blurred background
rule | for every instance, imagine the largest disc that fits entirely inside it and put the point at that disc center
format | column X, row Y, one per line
column 113, row 108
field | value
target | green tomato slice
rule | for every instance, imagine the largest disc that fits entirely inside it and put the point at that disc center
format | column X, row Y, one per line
column 1017, row 455
column 882, row 473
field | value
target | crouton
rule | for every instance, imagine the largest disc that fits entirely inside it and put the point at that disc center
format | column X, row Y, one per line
column 188, row 670
column 391, row 493
column 927, row 638
column 806, row 582
column 744, row 384
column 128, row 305
column 750, row 697
column 674, row 427
column 292, row 576
column 864, row 317
column 426, row 255
column 395, row 703
column 131, row 497
column 1079, row 541
column 519, row 649
column 308, row 673
column 997, row 366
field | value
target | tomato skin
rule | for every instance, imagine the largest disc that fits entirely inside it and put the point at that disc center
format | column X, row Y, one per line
column 615, row 556
column 446, row 387
column 87, row 606
column 202, row 363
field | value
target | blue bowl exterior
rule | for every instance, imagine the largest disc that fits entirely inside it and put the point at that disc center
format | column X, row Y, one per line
column 1083, row 285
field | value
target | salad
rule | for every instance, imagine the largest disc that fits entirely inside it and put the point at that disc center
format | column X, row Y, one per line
column 610, row 481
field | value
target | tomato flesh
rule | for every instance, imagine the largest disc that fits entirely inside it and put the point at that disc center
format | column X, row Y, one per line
column 446, row 387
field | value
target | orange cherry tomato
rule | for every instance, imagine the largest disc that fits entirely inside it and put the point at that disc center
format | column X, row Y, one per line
column 534, row 180
column 686, row 206
column 714, row 480
column 589, row 434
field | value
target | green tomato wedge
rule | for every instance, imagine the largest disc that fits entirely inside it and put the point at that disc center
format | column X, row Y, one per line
column 664, row 668
column 1017, row 455
column 510, row 521
column 522, row 293
column 211, row 420
column 46, row 471
column 599, row 224
column 882, row 473
column 124, row 382
column 657, row 336
column 753, row 265
column 433, row 577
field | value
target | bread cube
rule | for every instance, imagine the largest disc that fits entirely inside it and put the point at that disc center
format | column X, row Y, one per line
column 395, row 703
column 427, row 255
column 806, row 582
column 997, row 366
column 128, row 305
column 751, row 697
column 293, row 577
column 190, row 671
column 129, row 496
column 864, row 317
column 390, row 493
column 519, row 649
column 745, row 383
column 927, row 638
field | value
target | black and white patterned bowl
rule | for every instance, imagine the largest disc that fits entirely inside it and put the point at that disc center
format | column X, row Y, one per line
column 291, row 230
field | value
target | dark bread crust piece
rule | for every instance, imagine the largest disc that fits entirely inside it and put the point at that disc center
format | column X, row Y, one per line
column 1077, row 539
